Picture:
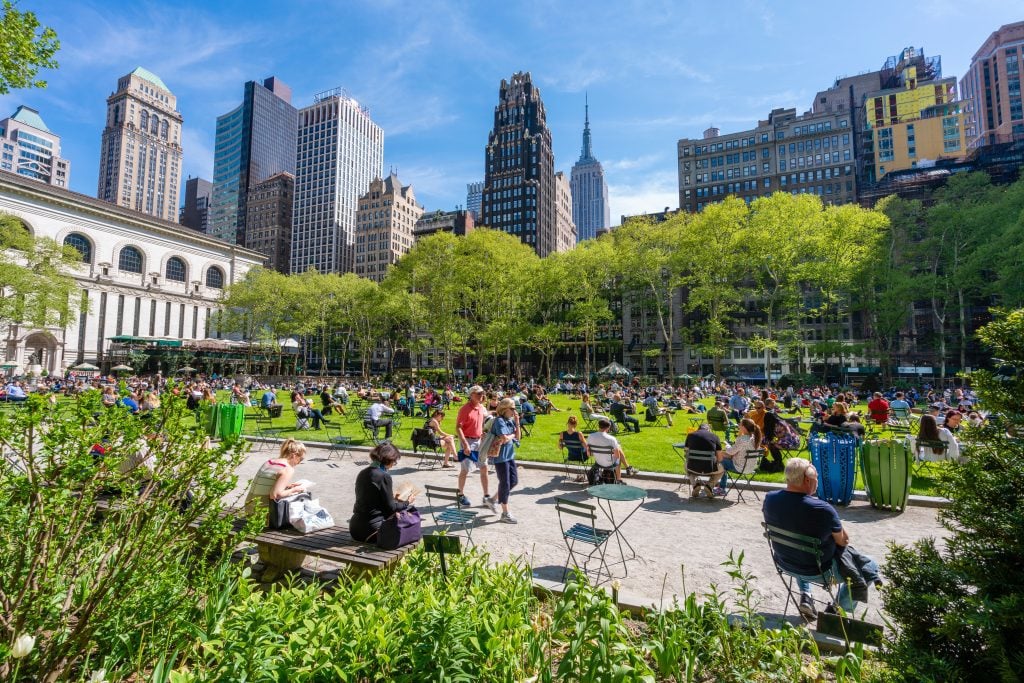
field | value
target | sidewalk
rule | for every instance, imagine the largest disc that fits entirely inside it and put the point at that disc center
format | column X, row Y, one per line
column 675, row 538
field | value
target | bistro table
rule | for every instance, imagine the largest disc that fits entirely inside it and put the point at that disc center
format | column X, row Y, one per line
column 607, row 494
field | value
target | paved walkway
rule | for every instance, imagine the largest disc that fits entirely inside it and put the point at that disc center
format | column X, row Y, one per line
column 676, row 539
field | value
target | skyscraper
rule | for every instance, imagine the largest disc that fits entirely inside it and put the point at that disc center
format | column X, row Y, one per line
column 340, row 150
column 385, row 222
column 474, row 194
column 140, row 153
column 590, row 210
column 30, row 149
column 268, row 221
column 991, row 89
column 196, row 212
column 255, row 141
column 519, row 183
column 565, row 228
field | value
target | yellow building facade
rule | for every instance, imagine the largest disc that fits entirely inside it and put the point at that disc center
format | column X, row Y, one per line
column 914, row 124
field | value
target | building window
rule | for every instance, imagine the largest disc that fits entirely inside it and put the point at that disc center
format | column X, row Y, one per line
column 82, row 244
column 215, row 278
column 130, row 260
column 175, row 271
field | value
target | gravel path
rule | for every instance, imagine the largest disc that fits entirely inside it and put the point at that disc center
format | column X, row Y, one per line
column 674, row 536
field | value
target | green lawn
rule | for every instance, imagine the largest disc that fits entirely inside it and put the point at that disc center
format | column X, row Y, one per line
column 650, row 450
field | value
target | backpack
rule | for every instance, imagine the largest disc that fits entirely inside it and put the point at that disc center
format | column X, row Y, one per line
column 786, row 437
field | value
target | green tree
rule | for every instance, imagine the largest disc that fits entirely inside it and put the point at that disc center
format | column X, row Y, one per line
column 774, row 247
column 426, row 271
column 24, row 49
column 37, row 289
column 711, row 263
column 839, row 252
column 652, row 272
column 592, row 273
column 959, row 610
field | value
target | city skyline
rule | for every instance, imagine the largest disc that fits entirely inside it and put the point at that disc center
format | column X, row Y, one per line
column 436, row 105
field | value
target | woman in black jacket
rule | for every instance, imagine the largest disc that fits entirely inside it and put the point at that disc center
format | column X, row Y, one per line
column 375, row 496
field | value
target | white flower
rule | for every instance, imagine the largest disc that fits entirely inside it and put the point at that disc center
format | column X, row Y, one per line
column 23, row 646
column 98, row 676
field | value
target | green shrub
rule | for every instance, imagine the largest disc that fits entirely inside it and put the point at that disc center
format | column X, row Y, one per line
column 959, row 612
column 119, row 590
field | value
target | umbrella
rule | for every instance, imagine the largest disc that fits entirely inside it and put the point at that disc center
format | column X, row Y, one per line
column 187, row 368
column 84, row 366
column 122, row 368
column 614, row 370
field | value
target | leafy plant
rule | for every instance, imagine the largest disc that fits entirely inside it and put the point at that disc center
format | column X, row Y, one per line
column 110, row 534
column 959, row 612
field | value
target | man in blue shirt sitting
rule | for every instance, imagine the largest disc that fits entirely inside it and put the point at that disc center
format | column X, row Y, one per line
column 796, row 509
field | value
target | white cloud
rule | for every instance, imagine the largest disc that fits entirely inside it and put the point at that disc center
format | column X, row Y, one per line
column 647, row 193
column 631, row 164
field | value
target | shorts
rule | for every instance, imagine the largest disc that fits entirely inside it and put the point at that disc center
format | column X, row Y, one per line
column 467, row 460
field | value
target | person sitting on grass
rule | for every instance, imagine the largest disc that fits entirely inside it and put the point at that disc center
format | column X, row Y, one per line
column 603, row 440
column 572, row 441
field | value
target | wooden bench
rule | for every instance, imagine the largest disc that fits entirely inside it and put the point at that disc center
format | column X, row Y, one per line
column 283, row 549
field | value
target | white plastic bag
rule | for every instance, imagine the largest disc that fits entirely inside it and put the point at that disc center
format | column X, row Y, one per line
column 310, row 516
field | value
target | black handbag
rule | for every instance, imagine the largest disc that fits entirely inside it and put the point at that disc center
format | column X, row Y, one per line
column 278, row 516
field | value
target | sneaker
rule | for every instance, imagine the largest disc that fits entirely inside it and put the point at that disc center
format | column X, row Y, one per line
column 491, row 504
column 807, row 608
column 507, row 518
column 464, row 502
column 719, row 491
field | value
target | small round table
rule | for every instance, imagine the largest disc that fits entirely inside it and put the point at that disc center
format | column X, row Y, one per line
column 607, row 494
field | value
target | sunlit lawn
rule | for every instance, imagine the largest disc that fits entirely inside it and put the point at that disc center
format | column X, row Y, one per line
column 649, row 450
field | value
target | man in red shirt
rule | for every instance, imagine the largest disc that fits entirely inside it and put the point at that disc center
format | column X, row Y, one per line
column 469, row 425
column 879, row 408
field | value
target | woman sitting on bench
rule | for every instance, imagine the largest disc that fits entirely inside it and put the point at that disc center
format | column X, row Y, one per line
column 273, row 480
column 375, row 495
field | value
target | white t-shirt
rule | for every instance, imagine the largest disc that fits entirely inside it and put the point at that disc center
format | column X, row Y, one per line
column 604, row 440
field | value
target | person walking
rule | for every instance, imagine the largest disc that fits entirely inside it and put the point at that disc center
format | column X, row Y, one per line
column 469, row 426
column 507, row 433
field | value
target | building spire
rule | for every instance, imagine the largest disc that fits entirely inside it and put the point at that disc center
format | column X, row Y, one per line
column 586, row 153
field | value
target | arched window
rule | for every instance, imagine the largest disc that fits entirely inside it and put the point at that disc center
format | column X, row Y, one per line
column 175, row 271
column 163, row 129
column 215, row 278
column 82, row 244
column 130, row 260
column 144, row 120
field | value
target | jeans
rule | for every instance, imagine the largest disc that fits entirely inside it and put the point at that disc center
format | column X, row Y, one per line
column 508, row 477
column 729, row 466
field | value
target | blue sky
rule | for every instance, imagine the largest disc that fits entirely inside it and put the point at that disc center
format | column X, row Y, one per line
column 429, row 71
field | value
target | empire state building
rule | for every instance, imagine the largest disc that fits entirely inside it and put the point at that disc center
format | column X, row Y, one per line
column 590, row 210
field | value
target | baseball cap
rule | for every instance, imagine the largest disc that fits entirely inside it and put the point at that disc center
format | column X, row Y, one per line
column 476, row 389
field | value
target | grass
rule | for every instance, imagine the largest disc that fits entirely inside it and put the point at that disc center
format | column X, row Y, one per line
column 648, row 450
